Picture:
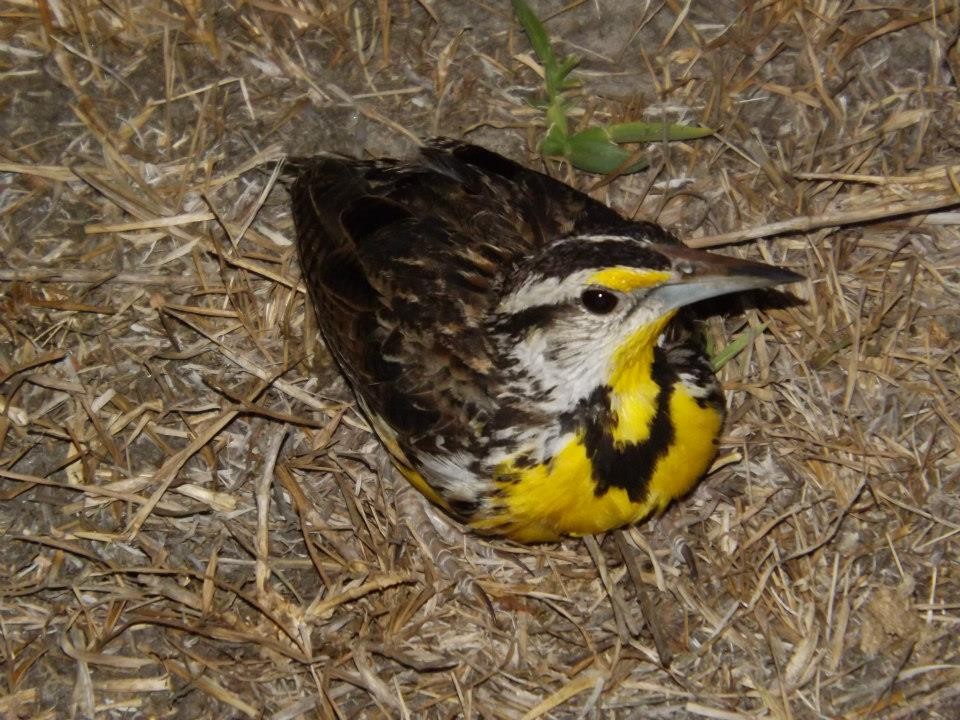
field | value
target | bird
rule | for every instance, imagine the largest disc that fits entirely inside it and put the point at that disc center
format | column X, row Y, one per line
column 519, row 348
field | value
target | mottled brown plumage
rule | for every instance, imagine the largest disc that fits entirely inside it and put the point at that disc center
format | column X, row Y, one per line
column 407, row 260
column 488, row 318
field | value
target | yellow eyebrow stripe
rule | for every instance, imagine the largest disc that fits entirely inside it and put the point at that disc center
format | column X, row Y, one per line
column 626, row 279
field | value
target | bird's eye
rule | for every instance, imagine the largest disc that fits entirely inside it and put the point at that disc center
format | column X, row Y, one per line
column 599, row 302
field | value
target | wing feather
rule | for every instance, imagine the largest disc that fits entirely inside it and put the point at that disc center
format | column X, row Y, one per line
column 403, row 262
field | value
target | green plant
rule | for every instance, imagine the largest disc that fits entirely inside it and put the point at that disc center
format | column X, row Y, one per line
column 598, row 148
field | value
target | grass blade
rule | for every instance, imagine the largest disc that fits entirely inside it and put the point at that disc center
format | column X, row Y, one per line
column 653, row 131
column 735, row 347
column 537, row 35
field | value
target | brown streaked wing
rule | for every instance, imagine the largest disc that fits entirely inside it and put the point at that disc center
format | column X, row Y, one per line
column 402, row 263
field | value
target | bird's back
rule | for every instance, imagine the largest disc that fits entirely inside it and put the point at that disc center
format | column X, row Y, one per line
column 403, row 262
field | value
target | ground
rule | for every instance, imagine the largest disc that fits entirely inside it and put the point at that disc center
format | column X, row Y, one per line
column 195, row 520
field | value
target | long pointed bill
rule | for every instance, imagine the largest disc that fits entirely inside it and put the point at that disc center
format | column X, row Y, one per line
column 700, row 275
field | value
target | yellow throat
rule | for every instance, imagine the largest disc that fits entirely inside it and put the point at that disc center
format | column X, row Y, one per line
column 591, row 486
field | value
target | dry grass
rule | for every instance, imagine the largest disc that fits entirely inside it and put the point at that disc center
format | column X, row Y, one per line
column 195, row 522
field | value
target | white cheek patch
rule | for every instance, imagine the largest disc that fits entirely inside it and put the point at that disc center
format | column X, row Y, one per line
column 532, row 350
column 569, row 362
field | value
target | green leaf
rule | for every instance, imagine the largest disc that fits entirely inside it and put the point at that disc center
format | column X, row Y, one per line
column 536, row 32
column 554, row 73
column 595, row 149
column 651, row 132
column 566, row 67
column 555, row 142
column 556, row 114
column 592, row 150
column 735, row 347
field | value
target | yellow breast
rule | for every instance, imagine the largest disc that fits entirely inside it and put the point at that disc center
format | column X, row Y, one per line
column 567, row 494
column 560, row 497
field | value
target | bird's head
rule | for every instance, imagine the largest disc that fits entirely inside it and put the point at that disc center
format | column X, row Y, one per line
column 588, row 305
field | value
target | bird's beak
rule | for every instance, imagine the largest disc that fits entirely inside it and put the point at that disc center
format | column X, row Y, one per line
column 699, row 275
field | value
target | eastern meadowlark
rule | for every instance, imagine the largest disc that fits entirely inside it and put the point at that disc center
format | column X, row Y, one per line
column 511, row 340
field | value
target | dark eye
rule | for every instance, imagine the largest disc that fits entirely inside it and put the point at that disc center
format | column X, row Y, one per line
column 599, row 302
